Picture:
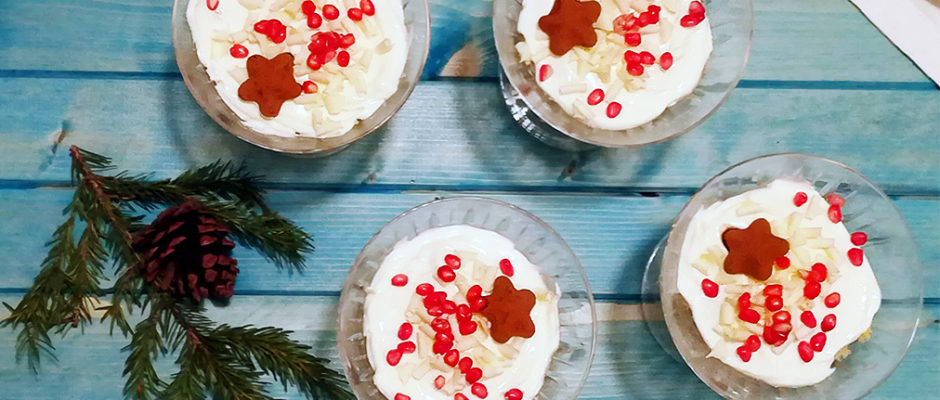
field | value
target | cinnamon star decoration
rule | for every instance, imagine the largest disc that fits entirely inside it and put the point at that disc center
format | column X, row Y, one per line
column 508, row 310
column 569, row 24
column 270, row 83
column 753, row 250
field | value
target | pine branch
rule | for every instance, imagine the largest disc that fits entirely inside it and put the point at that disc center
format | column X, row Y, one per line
column 142, row 382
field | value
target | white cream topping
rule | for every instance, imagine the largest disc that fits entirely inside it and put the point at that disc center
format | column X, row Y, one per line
column 860, row 294
column 642, row 98
column 345, row 96
column 419, row 258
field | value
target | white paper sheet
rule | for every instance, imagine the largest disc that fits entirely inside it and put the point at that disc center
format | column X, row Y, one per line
column 913, row 26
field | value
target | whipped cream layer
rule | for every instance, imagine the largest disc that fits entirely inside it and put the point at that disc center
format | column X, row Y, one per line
column 480, row 250
column 643, row 98
column 703, row 250
column 344, row 96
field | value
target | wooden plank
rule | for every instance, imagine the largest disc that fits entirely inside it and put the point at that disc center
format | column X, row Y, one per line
column 628, row 363
column 890, row 136
column 794, row 40
column 612, row 236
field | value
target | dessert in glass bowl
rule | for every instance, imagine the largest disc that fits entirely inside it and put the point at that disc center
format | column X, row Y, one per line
column 300, row 75
column 618, row 73
column 774, row 275
column 466, row 298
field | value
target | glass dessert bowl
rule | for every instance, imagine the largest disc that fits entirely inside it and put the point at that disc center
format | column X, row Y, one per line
column 618, row 73
column 466, row 297
column 304, row 77
column 791, row 276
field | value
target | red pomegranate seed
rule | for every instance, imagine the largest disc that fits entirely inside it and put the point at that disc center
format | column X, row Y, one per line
column 238, row 51
column 654, row 9
column 613, row 109
column 773, row 303
column 859, row 238
column 440, row 325
column 439, row 382
column 441, row 347
column 452, row 357
column 800, row 198
column 645, row 18
column 782, row 328
column 821, row 272
column 665, row 60
column 806, row 351
column 696, row 8
column 828, row 322
column 773, row 290
column 505, row 266
column 393, row 357
column 478, row 304
column 808, row 319
column 749, row 315
column 647, row 58
column 446, row 274
column 448, row 307
column 811, row 290
column 773, row 337
column 818, row 341
column 212, row 4
column 835, row 200
column 313, row 63
column 752, row 343
column 348, row 40
column 400, row 280
column 744, row 353
column 308, row 7
column 473, row 375
column 635, row 68
column 460, row 396
column 463, row 312
column 400, row 396
column 832, row 299
column 781, row 316
column 405, row 330
column 444, row 336
column 342, row 58
column 744, row 301
column 479, row 390
column 596, row 96
column 367, row 7
column 625, row 23
column 783, row 262
column 689, row 21
column 631, row 57
column 856, row 256
column 632, row 39
column 435, row 311
column 310, row 87
column 314, row 21
column 465, row 364
column 330, row 12
column 835, row 214
column 709, row 287
column 354, row 14
column 273, row 29
column 407, row 347
column 474, row 292
column 545, row 72
column 467, row 327
column 452, row 261
column 513, row 394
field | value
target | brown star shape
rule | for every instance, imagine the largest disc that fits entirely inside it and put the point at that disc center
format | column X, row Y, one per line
column 270, row 83
column 753, row 250
column 508, row 310
column 569, row 24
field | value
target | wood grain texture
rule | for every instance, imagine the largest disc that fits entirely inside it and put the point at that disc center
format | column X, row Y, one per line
column 612, row 236
column 458, row 135
column 793, row 40
column 628, row 363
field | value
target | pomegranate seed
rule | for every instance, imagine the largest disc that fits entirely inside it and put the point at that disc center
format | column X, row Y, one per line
column 463, row 312
column 452, row 261
column 806, row 351
column 773, row 337
column 424, row 289
column 478, row 304
column 238, row 51
column 696, row 8
column 367, row 7
column 835, row 200
column 632, row 39
column 832, row 300
column 354, row 14
column 808, row 319
column 308, row 7
column 513, row 394
column 393, row 357
column 821, row 271
column 818, row 341
column 654, row 9
column 505, row 266
column 330, row 12
column 400, row 279
column 859, row 238
column 752, row 343
column 856, row 256
column 800, row 198
column 645, row 18
column 449, row 307
column 828, row 322
column 474, row 292
column 625, row 23
column 835, row 214
column 596, row 96
column 440, row 325
column 342, row 58
column 452, row 357
column 631, row 56
column 400, row 396
column 314, row 21
column 273, row 29
column 689, row 21
column 212, row 4
column 473, row 375
column 545, row 72
column 467, row 327
column 665, row 60
column 435, row 311
column 773, row 303
column 781, row 316
column 460, row 396
column 441, row 347
column 444, row 337
column 405, row 330
column 479, row 390
column 811, row 290
column 348, row 40
column 647, row 58
column 407, row 347
column 783, row 262
column 439, row 382
column 773, row 290
column 749, row 315
column 744, row 301
column 709, row 287
column 446, row 274
column 464, row 365
column 613, row 109
column 744, row 353
column 635, row 69
column 313, row 63
column 782, row 328
column 310, row 87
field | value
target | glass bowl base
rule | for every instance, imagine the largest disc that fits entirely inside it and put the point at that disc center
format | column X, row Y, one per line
column 652, row 306
column 528, row 120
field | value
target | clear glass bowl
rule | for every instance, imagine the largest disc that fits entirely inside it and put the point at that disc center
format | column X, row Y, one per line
column 732, row 23
column 890, row 250
column 536, row 240
column 418, row 23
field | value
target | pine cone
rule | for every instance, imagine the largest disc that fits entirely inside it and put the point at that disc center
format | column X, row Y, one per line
column 186, row 253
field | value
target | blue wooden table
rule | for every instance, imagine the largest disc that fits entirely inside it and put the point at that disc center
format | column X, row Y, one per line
column 101, row 74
